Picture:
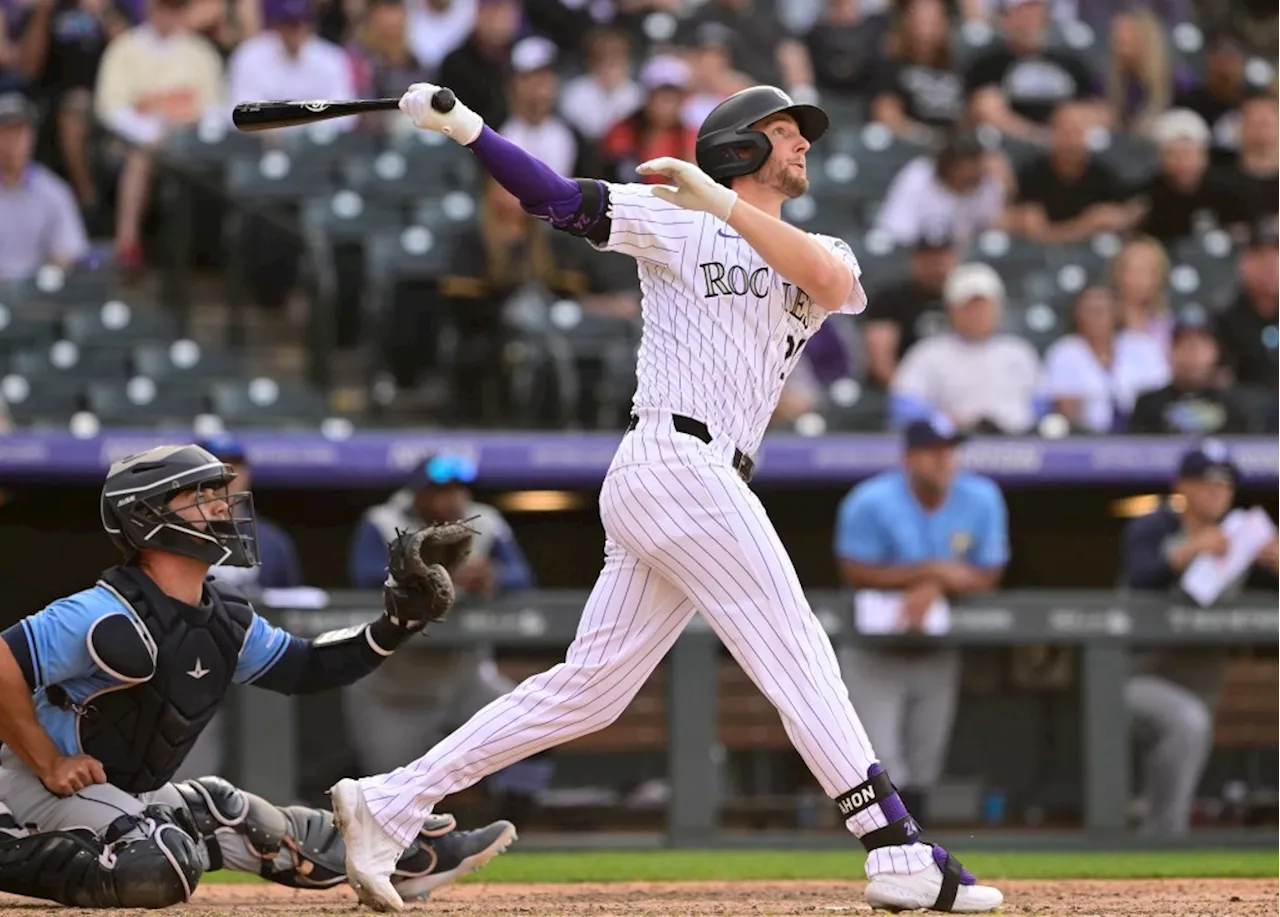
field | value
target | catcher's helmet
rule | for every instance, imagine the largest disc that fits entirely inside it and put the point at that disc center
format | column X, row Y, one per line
column 135, row 507
column 727, row 147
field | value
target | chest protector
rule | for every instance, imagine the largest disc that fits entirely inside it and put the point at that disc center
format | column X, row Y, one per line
column 142, row 732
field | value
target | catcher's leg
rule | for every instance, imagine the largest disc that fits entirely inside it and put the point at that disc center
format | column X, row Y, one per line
column 141, row 861
column 300, row 847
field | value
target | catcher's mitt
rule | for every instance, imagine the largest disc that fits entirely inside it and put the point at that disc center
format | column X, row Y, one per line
column 419, row 588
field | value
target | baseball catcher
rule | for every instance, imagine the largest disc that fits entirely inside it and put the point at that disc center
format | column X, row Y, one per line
column 104, row 692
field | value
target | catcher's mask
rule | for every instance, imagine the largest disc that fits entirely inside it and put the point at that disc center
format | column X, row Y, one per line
column 137, row 516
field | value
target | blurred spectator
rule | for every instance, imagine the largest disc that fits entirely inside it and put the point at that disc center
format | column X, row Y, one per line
column 1194, row 402
column 1068, row 194
column 1139, row 76
column 154, row 79
column 1139, row 275
column 533, row 124
column 1253, row 22
column 656, row 129
column 278, row 565
column 39, row 221
column 6, row 421
column 1173, row 693
column 762, row 48
column 1099, row 14
column 1259, row 155
column 1188, row 196
column 412, row 703
column 290, row 61
column 897, row 317
column 917, row 537
column 1017, row 85
column 384, row 64
column 1247, row 329
column 606, row 94
column 915, row 91
column 61, row 46
column 1094, row 376
column 712, row 75
column 980, row 378
column 844, row 46
column 481, row 66
column 1217, row 99
column 957, row 193
column 225, row 23
column 438, row 27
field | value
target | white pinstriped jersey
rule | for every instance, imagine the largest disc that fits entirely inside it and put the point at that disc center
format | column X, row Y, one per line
column 721, row 329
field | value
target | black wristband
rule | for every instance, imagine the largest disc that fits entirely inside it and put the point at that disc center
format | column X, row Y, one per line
column 387, row 636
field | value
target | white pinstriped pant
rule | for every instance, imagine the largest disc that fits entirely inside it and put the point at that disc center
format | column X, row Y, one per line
column 684, row 533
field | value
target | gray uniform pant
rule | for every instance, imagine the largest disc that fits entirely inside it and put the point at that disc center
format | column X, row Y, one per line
column 96, row 807
column 1177, row 725
column 907, row 703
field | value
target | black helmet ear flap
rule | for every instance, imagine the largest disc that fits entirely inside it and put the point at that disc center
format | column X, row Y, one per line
column 725, row 155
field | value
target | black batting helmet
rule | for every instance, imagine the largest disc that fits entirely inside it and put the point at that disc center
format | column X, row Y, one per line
column 136, row 513
column 728, row 147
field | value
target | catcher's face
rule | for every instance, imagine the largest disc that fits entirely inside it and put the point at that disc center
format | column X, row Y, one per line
column 199, row 507
column 785, row 170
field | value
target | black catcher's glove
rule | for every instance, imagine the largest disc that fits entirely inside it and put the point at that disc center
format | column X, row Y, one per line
column 419, row 588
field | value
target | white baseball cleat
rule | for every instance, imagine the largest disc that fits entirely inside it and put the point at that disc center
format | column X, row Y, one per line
column 371, row 853
column 946, row 887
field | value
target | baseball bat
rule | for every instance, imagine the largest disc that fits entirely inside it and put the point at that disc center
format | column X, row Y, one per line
column 265, row 116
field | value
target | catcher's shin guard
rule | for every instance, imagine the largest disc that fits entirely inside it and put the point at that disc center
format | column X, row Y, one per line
column 295, row 846
column 80, row 869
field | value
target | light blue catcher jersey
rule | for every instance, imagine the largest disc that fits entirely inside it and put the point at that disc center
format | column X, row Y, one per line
column 57, row 641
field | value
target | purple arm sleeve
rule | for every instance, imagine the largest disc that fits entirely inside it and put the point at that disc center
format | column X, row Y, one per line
column 575, row 206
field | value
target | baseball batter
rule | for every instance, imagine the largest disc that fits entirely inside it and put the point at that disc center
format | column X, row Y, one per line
column 731, row 293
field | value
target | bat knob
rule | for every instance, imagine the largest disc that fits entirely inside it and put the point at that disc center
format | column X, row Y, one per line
column 444, row 100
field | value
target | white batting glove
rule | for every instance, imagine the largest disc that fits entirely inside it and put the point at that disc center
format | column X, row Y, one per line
column 690, row 187
column 460, row 123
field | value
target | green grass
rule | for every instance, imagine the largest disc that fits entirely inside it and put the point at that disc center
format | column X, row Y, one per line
column 738, row 865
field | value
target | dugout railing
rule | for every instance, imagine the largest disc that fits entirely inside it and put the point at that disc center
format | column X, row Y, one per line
column 1104, row 627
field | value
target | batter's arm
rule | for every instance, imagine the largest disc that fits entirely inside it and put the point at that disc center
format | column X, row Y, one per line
column 797, row 256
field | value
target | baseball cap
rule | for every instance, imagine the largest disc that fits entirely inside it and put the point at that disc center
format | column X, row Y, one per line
column 15, row 107
column 1209, row 460
column 1180, row 124
column 533, row 53
column 1192, row 318
column 971, row 281
column 930, row 433
column 278, row 12
column 442, row 469
column 665, row 71
column 932, row 240
column 224, row 447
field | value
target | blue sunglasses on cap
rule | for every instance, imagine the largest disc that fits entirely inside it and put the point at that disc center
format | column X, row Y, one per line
column 450, row 469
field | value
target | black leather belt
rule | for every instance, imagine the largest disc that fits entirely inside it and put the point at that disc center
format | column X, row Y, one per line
column 742, row 463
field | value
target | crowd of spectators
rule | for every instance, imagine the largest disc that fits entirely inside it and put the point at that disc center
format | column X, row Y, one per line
column 1018, row 111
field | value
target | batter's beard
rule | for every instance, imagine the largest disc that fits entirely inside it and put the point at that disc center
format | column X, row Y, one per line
column 781, row 178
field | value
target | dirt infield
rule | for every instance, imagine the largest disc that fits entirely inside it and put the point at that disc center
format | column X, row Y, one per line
column 1092, row 898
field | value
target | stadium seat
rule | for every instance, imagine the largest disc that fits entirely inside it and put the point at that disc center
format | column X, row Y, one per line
column 448, row 213
column 54, row 286
column 143, row 401
column 848, row 406
column 116, row 322
column 275, row 177
column 41, row 400
column 264, row 401
column 66, row 358
column 26, row 328
column 1040, row 323
column 875, row 155
column 384, row 177
column 437, row 163
column 603, row 350
column 322, row 142
column 209, row 145
column 185, row 359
